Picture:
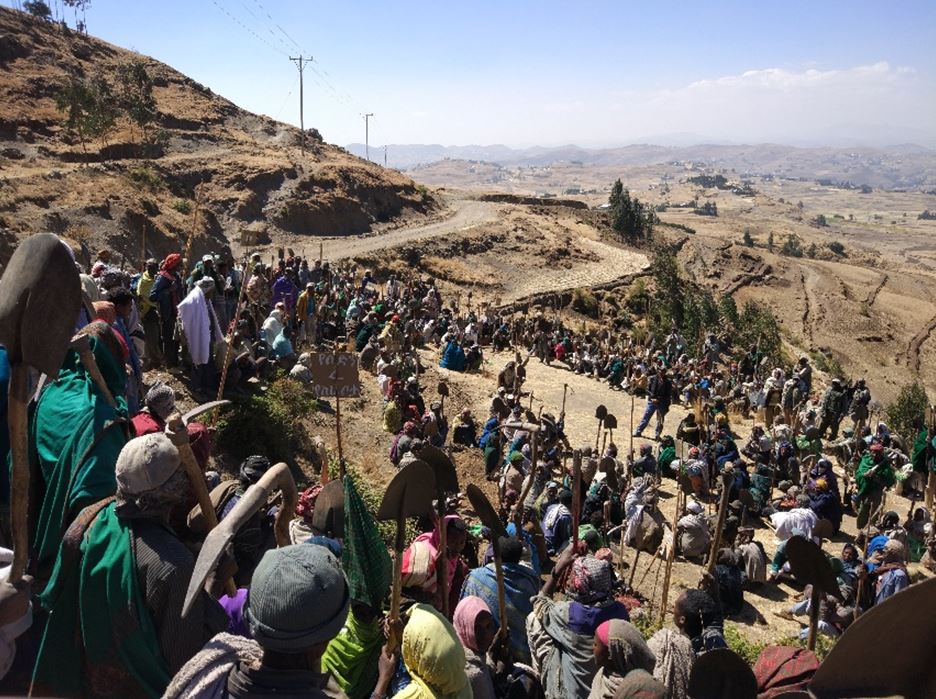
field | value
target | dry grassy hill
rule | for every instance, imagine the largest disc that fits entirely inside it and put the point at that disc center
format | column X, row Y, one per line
column 117, row 194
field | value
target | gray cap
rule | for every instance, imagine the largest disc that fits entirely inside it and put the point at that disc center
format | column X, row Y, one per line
column 145, row 463
column 298, row 598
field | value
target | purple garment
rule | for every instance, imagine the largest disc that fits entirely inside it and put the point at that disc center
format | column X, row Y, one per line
column 234, row 607
column 585, row 620
column 284, row 290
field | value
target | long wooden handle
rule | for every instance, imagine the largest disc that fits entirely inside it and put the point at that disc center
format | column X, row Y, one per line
column 19, row 478
column 576, row 494
column 393, row 642
column 179, row 436
column 501, row 592
column 442, row 562
column 722, row 516
column 813, row 617
column 671, row 554
column 94, row 371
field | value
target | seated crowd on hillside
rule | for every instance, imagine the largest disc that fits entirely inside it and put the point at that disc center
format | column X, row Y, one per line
column 115, row 527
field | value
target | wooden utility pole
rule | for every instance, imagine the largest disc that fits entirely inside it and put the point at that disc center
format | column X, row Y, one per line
column 300, row 61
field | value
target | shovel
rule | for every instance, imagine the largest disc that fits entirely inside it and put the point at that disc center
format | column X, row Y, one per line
column 726, row 477
column 40, row 296
column 256, row 496
column 811, row 567
column 601, row 412
column 409, row 494
column 446, row 481
column 488, row 516
column 533, row 429
column 328, row 515
column 443, row 394
column 610, row 423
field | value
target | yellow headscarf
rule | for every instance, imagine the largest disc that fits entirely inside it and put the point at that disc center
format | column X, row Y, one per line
column 434, row 657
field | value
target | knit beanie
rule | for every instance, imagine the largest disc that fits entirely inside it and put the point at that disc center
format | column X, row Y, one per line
column 298, row 598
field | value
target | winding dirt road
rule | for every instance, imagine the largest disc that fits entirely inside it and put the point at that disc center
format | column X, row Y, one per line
column 466, row 214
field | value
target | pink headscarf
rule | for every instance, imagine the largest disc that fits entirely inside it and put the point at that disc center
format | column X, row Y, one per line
column 466, row 614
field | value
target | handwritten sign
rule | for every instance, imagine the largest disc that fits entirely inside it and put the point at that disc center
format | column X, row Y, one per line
column 335, row 374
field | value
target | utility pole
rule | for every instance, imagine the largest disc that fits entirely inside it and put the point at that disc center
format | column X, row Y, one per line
column 300, row 62
column 367, row 135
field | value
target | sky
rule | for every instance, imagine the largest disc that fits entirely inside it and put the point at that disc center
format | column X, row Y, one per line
column 589, row 72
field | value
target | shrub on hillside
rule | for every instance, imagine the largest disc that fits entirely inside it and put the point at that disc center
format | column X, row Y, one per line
column 908, row 411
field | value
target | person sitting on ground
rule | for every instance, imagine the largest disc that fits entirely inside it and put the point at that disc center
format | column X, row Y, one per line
column 475, row 627
column 521, row 584
column 557, row 522
column 697, row 615
column 693, row 537
column 753, row 558
column 730, row 582
column 621, row 655
column 298, row 602
column 561, row 634
column 465, row 431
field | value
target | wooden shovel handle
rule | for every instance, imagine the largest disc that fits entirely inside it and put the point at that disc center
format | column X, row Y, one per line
column 393, row 642
column 19, row 480
column 179, row 436
column 501, row 591
column 94, row 371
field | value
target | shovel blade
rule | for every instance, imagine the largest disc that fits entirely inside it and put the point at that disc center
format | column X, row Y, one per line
column 328, row 515
column 446, row 478
column 485, row 511
column 40, row 295
column 601, row 412
column 410, row 493
column 810, row 566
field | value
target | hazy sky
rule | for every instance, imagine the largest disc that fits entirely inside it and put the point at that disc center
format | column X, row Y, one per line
column 549, row 73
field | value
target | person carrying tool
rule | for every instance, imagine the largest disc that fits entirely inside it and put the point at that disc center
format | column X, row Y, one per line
column 119, row 584
column 659, row 397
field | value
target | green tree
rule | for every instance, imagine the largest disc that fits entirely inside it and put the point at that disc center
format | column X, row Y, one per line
column 630, row 217
column 907, row 413
column 793, row 247
column 820, row 221
column 38, row 8
column 91, row 106
column 135, row 95
column 747, row 240
column 770, row 243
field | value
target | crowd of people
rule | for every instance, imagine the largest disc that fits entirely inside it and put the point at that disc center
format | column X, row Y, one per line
column 115, row 525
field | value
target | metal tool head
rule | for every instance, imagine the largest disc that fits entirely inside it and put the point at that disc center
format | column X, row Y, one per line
column 601, row 412
column 485, row 511
column 410, row 493
column 610, row 422
column 328, row 514
column 884, row 653
column 40, row 296
column 446, row 478
column 722, row 674
column 443, row 389
column 202, row 409
column 747, row 500
column 278, row 477
column 810, row 566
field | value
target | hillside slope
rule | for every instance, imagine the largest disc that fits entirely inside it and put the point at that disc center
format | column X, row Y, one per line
column 248, row 169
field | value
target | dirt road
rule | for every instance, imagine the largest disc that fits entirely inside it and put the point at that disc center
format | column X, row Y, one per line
column 465, row 214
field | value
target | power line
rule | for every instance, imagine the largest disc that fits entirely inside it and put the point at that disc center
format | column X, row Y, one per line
column 286, row 99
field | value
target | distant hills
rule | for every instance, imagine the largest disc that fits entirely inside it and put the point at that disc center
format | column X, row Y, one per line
column 906, row 166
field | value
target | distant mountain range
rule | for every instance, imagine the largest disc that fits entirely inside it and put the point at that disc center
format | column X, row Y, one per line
column 904, row 165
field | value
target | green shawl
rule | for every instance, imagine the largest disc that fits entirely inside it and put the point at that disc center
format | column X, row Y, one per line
column 879, row 480
column 918, row 457
column 352, row 657
column 100, row 639
column 75, row 437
